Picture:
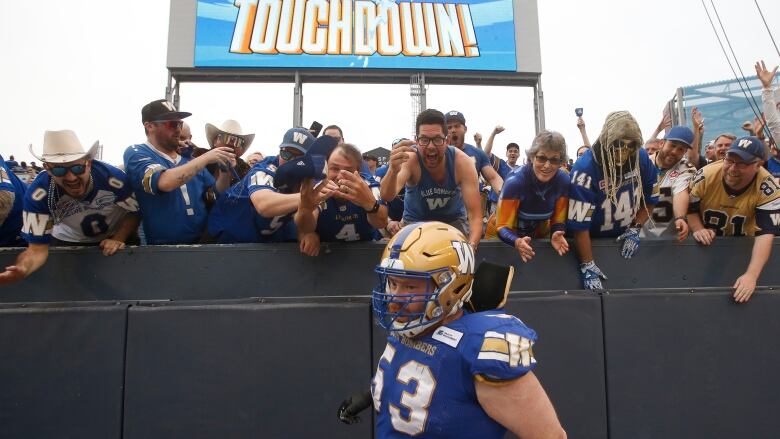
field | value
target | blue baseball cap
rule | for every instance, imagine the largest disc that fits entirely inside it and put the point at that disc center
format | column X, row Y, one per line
column 297, row 138
column 313, row 164
column 749, row 149
column 456, row 116
column 682, row 134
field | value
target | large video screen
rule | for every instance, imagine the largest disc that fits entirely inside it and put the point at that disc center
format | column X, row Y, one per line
column 356, row 34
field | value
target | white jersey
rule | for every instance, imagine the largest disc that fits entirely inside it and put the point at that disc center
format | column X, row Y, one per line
column 670, row 182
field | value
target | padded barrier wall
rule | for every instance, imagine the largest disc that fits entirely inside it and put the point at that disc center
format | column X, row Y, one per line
column 668, row 364
column 211, row 272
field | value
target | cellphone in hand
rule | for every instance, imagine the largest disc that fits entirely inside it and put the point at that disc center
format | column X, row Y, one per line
column 315, row 128
column 578, row 112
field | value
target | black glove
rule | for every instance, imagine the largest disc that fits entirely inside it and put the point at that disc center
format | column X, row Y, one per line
column 350, row 407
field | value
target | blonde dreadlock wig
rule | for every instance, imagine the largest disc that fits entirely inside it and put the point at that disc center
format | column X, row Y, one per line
column 617, row 151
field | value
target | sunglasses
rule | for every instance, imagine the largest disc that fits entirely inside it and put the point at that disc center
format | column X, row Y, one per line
column 61, row 171
column 231, row 140
column 170, row 124
column 289, row 154
column 541, row 159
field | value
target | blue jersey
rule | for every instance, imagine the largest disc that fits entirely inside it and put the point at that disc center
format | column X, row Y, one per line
column 589, row 207
column 341, row 220
column 11, row 227
column 503, row 170
column 529, row 207
column 274, row 229
column 424, row 386
column 50, row 212
column 233, row 218
column 773, row 166
column 175, row 217
column 431, row 201
column 395, row 208
column 480, row 158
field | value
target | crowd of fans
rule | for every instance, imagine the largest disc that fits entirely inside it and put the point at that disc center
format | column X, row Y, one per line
column 321, row 189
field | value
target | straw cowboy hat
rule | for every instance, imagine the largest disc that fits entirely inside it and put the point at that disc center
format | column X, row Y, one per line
column 229, row 126
column 63, row 147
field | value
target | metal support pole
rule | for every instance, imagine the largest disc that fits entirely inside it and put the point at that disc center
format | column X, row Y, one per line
column 417, row 91
column 298, row 101
column 539, row 105
column 681, row 120
column 176, row 97
column 423, row 93
column 169, row 88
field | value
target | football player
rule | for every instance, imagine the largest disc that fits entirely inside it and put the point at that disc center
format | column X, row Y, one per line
column 535, row 197
column 737, row 197
column 446, row 372
column 77, row 201
column 611, row 193
column 353, row 213
column 12, row 191
column 674, row 177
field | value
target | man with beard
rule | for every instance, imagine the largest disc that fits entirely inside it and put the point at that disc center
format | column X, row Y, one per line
column 78, row 201
column 674, row 176
column 738, row 197
column 440, row 180
column 611, row 193
column 172, row 188
column 354, row 212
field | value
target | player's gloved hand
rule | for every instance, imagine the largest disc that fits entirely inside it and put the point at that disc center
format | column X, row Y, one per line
column 350, row 407
column 591, row 276
column 630, row 240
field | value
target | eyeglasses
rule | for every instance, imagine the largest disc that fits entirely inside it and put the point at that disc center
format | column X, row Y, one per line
column 289, row 154
column 425, row 141
column 739, row 165
column 231, row 140
column 542, row 159
column 61, row 171
column 170, row 124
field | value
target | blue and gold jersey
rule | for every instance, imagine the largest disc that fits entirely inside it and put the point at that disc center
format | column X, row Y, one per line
column 341, row 220
column 425, row 386
column 175, row 217
column 50, row 211
column 528, row 207
column 589, row 207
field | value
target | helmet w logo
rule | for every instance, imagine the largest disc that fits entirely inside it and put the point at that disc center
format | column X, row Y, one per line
column 465, row 256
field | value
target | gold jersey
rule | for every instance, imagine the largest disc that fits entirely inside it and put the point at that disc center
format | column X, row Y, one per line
column 731, row 215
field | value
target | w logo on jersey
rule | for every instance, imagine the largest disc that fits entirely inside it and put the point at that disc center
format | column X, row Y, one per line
column 465, row 256
column 436, row 203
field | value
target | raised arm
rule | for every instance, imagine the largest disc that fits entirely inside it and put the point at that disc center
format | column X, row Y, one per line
column 583, row 133
column 698, row 131
column 398, row 170
column 489, row 145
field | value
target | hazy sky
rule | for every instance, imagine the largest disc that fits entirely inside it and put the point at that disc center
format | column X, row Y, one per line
column 90, row 66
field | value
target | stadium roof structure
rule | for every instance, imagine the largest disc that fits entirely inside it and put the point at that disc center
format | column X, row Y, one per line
column 725, row 105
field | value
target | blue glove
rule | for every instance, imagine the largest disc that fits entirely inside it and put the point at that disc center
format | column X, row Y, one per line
column 591, row 276
column 630, row 240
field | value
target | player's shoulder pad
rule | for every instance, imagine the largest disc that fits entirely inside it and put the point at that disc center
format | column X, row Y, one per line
column 496, row 346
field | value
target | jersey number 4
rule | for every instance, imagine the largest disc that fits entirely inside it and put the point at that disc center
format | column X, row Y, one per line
column 417, row 402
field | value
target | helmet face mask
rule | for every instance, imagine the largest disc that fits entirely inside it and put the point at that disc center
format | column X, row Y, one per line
column 425, row 275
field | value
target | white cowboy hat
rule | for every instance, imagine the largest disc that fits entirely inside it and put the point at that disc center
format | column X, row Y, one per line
column 63, row 147
column 229, row 126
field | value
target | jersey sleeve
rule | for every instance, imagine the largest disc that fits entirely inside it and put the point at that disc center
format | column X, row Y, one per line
column 142, row 170
column 698, row 185
column 582, row 199
column 503, row 352
column 482, row 159
column 507, row 208
column 37, row 219
column 649, row 178
column 683, row 180
column 768, row 208
column 261, row 176
column 561, row 208
column 120, row 183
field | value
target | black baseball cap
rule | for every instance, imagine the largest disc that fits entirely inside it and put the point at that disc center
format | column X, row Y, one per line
column 161, row 109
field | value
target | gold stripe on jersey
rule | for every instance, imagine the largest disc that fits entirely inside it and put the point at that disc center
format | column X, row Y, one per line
column 732, row 215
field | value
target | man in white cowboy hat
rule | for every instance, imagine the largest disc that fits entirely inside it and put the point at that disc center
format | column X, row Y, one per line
column 77, row 201
column 171, row 188
column 232, row 136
